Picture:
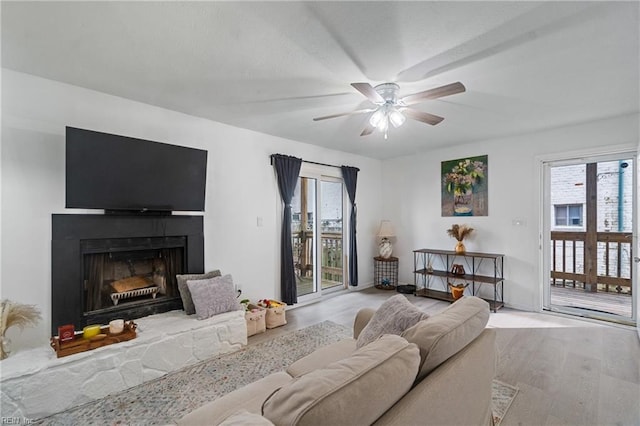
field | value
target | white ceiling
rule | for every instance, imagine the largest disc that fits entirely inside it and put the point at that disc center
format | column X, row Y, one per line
column 273, row 66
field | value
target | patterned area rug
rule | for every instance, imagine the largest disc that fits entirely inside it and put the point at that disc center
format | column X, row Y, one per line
column 164, row 400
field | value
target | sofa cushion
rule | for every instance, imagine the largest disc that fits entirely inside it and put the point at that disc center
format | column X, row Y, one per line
column 394, row 316
column 357, row 389
column 213, row 296
column 185, row 295
column 322, row 357
column 445, row 333
column 245, row 418
column 248, row 397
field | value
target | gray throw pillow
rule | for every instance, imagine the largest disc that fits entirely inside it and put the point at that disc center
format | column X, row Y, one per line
column 185, row 295
column 213, row 296
column 394, row 316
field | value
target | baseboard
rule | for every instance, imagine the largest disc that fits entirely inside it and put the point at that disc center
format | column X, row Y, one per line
column 361, row 287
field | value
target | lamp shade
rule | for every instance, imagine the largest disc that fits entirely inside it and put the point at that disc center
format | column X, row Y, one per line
column 386, row 229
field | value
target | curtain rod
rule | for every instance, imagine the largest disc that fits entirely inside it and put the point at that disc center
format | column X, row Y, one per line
column 320, row 164
column 309, row 162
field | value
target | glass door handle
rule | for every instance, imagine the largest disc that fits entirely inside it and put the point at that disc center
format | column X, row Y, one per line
column 636, row 259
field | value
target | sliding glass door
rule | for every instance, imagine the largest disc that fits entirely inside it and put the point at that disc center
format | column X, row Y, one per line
column 589, row 215
column 317, row 234
column 331, row 232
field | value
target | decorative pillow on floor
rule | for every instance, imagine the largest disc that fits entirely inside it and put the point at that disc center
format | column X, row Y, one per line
column 185, row 295
column 213, row 296
column 394, row 316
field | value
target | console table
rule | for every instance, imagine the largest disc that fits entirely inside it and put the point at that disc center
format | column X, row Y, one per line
column 433, row 268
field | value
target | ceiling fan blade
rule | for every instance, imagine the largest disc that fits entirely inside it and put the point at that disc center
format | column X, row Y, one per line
column 438, row 92
column 367, row 130
column 425, row 117
column 358, row 111
column 368, row 90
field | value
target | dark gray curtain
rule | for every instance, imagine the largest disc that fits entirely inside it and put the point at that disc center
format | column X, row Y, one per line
column 95, row 279
column 288, row 170
column 350, row 176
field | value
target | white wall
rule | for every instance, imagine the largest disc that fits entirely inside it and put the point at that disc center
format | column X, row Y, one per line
column 241, row 186
column 411, row 188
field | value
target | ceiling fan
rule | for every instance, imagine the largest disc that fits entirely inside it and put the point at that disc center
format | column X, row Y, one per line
column 389, row 108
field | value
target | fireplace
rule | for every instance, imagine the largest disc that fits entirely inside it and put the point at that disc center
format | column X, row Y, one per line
column 109, row 266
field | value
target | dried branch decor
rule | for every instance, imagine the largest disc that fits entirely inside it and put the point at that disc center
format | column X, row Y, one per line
column 12, row 313
column 459, row 232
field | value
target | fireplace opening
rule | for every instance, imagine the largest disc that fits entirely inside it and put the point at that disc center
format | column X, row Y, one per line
column 129, row 273
column 120, row 279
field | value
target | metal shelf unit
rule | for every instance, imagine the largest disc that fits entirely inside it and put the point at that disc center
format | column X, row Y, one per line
column 425, row 275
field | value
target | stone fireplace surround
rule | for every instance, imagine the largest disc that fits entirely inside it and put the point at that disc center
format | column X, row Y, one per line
column 70, row 231
column 35, row 384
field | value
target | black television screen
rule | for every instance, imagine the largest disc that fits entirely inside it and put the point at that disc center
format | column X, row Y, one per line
column 112, row 172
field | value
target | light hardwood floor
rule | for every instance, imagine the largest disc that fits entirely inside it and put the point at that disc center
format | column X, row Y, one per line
column 569, row 371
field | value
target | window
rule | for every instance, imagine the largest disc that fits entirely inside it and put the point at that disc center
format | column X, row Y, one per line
column 568, row 214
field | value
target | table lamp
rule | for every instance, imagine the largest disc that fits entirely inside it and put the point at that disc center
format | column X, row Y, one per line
column 385, row 232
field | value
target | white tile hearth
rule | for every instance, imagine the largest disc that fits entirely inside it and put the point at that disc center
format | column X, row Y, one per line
column 36, row 384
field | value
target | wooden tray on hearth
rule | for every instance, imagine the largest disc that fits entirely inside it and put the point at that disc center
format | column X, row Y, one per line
column 80, row 344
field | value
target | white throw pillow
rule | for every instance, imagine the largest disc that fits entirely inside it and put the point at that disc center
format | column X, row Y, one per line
column 213, row 296
column 394, row 316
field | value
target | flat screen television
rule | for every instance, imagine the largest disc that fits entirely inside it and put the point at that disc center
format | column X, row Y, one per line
column 119, row 173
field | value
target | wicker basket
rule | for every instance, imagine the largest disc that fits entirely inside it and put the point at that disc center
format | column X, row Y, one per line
column 276, row 316
column 255, row 319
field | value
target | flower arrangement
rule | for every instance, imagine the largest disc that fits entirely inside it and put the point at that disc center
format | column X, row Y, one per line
column 463, row 176
column 12, row 313
column 459, row 232
column 245, row 304
column 268, row 303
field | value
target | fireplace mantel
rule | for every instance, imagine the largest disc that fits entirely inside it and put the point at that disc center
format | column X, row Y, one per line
column 70, row 230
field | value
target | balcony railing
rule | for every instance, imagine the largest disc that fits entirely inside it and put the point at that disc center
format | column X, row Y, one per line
column 331, row 263
column 610, row 254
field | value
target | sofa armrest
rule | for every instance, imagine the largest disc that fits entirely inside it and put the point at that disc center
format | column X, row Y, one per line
column 362, row 319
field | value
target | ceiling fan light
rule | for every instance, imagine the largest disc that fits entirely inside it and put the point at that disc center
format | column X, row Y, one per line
column 396, row 118
column 383, row 125
column 377, row 117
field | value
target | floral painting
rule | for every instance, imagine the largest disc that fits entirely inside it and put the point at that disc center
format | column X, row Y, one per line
column 464, row 187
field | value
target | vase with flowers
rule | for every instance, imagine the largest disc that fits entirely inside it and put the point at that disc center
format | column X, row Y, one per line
column 459, row 232
column 460, row 182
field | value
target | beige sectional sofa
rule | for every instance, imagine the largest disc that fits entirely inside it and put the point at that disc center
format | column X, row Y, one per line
column 437, row 372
